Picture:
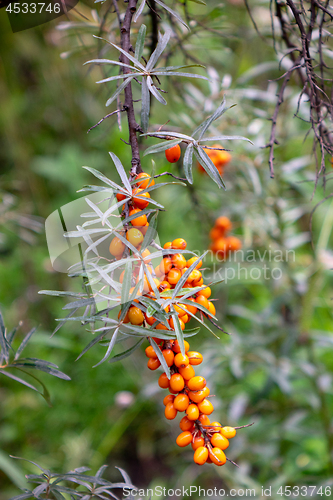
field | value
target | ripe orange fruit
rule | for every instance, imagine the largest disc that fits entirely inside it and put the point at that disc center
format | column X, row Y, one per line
column 192, row 309
column 196, row 383
column 195, row 275
column 120, row 196
column 200, row 455
column 195, row 358
column 150, row 353
column 197, row 442
column 187, row 372
column 206, row 407
column 153, row 363
column 215, row 233
column 174, row 276
column 134, row 236
column 170, row 411
column 181, row 361
column 217, row 426
column 204, row 420
column 220, row 441
column 221, row 245
column 176, row 346
column 163, row 381
column 192, row 412
column 192, row 260
column 168, row 399
column 117, row 247
column 181, row 323
column 135, row 315
column 234, row 243
column 173, row 154
column 223, row 223
column 177, row 383
column 196, row 396
column 179, row 244
column 168, row 356
column 144, row 180
column 181, row 402
column 184, row 439
column 125, row 320
column 211, row 308
column 201, row 299
column 206, row 292
column 178, row 260
column 167, row 245
column 165, row 266
column 185, row 424
column 141, row 220
column 228, row 432
column 141, row 202
column 217, row 456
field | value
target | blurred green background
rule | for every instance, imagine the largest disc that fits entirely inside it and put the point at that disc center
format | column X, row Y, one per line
column 275, row 369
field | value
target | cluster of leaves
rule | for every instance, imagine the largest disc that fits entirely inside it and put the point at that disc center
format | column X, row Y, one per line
column 55, row 486
column 10, row 360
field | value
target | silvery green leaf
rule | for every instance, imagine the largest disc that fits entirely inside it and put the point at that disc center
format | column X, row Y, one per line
column 187, row 162
column 139, row 11
column 106, row 277
column 225, row 138
column 119, row 77
column 24, row 343
column 151, row 281
column 109, row 349
column 121, row 171
column 173, row 68
column 160, row 357
column 119, row 90
column 17, row 379
column 154, row 91
column 140, row 42
column 162, row 146
column 151, row 232
column 126, row 285
column 145, row 105
column 201, row 2
column 128, row 352
column 186, row 274
column 104, row 179
column 95, row 244
column 209, row 166
column 172, row 12
column 127, row 243
column 109, row 61
column 159, row 49
column 178, row 73
column 126, row 54
column 171, row 134
column 178, row 330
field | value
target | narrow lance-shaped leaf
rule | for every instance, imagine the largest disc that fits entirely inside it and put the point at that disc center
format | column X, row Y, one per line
column 140, row 42
column 160, row 357
column 161, row 146
column 118, row 91
column 145, row 105
column 119, row 77
column 154, row 91
column 121, row 171
column 139, row 11
column 24, row 342
column 175, row 14
column 178, row 330
column 187, row 163
column 159, row 49
column 128, row 352
column 186, row 275
column 109, row 61
column 171, row 134
column 225, row 138
column 209, row 166
column 109, row 349
column 126, row 54
column 126, row 285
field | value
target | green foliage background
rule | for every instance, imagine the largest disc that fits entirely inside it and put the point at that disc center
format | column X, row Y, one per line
column 276, row 366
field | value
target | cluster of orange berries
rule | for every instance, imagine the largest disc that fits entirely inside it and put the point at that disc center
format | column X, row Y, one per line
column 168, row 273
column 219, row 158
column 139, row 225
column 221, row 243
column 189, row 394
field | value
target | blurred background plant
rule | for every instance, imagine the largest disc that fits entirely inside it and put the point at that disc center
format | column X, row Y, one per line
column 276, row 366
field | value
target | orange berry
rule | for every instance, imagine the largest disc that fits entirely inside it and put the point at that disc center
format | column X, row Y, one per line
column 185, row 424
column 177, row 382
column 195, row 275
column 187, row 372
column 192, row 260
column 234, row 243
column 217, row 426
column 180, row 310
column 220, row 441
column 141, row 202
column 117, row 247
column 204, row 419
column 223, row 223
column 228, row 432
column 184, row 439
column 179, row 244
column 165, row 266
column 168, row 399
column 150, row 353
column 135, row 315
column 182, row 324
column 206, row 292
column 141, row 220
column 153, row 363
column 126, row 319
column 192, row 412
column 211, row 308
column 197, row 442
column 192, row 309
column 200, row 455
column 197, row 396
column 181, row 361
column 215, row 233
column 206, row 407
column 202, row 301
column 197, row 282
column 145, row 180
column 170, row 411
column 181, row 402
column 160, row 326
column 173, row 154
column 185, row 319
column 174, row 276
column 217, row 456
column 221, row 245
column 163, row 381
column 120, row 196
column 134, row 236
column 151, row 320
column 168, row 356
column 164, row 285
column 195, row 358
column 178, row 260
column 196, row 383
column 167, row 245
column 176, row 346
